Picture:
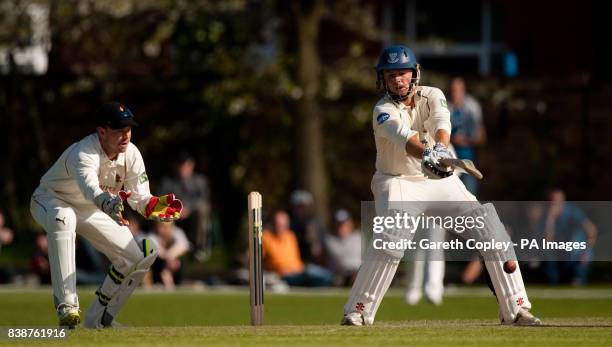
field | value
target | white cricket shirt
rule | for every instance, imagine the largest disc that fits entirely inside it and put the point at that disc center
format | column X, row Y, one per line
column 84, row 171
column 394, row 123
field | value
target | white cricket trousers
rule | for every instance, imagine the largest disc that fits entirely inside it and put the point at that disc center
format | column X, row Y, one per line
column 62, row 221
column 379, row 266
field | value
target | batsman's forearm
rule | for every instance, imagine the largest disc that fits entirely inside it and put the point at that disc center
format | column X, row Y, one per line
column 414, row 147
column 442, row 136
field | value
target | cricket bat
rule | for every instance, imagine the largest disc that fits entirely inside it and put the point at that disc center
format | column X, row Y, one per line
column 464, row 164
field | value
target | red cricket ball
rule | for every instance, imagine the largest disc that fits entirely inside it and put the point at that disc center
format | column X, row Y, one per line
column 509, row 266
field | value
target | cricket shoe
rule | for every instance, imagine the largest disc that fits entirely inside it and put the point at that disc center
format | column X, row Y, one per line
column 526, row 318
column 68, row 315
column 353, row 319
column 412, row 296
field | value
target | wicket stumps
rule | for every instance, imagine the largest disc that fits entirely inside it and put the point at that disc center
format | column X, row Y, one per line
column 255, row 267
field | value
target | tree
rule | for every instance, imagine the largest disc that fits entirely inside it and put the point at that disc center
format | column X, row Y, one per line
column 311, row 167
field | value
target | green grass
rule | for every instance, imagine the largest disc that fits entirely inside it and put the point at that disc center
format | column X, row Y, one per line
column 576, row 317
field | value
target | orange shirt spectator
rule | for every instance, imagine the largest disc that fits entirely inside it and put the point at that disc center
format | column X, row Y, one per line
column 282, row 255
column 281, row 252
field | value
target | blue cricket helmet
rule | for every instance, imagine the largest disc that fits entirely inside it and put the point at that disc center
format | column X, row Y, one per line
column 396, row 57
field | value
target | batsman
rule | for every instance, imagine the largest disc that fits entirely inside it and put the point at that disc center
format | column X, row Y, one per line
column 414, row 168
column 84, row 192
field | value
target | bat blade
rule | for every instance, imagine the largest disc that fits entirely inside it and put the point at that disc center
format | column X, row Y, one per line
column 465, row 164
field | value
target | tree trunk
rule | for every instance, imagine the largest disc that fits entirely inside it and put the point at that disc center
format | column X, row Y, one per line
column 311, row 166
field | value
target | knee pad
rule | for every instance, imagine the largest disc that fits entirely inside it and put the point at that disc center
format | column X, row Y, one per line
column 61, row 219
column 492, row 229
column 149, row 254
column 396, row 235
column 60, row 228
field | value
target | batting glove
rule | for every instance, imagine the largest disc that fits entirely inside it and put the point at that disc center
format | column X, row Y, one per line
column 431, row 166
column 165, row 208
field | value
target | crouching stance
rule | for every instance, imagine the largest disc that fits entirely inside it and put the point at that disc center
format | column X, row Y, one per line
column 405, row 119
column 84, row 192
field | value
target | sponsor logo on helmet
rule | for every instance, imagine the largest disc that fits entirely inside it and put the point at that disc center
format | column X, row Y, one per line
column 382, row 118
column 393, row 58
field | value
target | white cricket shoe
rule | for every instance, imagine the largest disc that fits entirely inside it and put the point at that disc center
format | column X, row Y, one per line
column 68, row 315
column 412, row 296
column 526, row 318
column 354, row 319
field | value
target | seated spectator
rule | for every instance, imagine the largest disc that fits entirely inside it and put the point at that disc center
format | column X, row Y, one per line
column 40, row 259
column 308, row 229
column 171, row 244
column 193, row 190
column 566, row 222
column 343, row 248
column 282, row 256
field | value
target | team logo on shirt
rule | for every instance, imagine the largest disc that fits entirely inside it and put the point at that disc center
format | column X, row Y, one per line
column 143, row 178
column 443, row 103
column 382, row 118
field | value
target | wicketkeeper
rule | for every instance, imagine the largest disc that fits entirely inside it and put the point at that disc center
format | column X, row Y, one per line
column 84, row 192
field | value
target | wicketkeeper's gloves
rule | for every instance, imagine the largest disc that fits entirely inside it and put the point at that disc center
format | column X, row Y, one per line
column 112, row 205
column 165, row 208
column 431, row 166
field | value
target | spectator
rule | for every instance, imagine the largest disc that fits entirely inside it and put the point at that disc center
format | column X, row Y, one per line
column 566, row 222
column 194, row 192
column 40, row 259
column 343, row 248
column 6, row 238
column 468, row 131
column 308, row 229
column 171, row 244
column 282, row 256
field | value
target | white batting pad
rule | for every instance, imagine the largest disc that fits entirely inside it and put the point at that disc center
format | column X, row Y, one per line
column 372, row 282
column 61, row 239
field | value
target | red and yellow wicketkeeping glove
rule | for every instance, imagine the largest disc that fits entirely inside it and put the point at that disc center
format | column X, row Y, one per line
column 164, row 208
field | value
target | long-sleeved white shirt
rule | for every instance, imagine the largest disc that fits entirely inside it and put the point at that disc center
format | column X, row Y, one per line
column 84, row 171
column 394, row 123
